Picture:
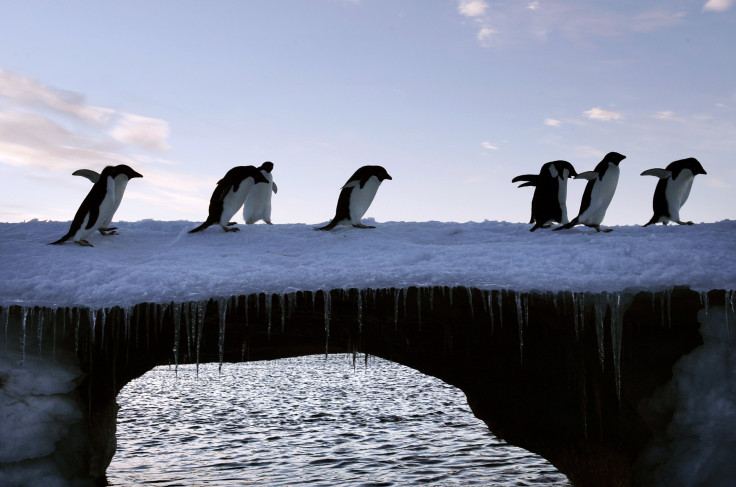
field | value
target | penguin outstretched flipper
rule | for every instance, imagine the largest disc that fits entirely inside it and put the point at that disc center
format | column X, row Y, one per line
column 550, row 193
column 123, row 174
column 356, row 195
column 673, row 190
column 93, row 176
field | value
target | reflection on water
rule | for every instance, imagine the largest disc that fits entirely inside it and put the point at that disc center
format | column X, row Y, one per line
column 317, row 421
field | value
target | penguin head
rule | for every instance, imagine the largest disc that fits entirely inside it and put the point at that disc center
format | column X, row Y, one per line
column 614, row 158
column 563, row 169
column 381, row 173
column 124, row 170
column 266, row 166
column 689, row 163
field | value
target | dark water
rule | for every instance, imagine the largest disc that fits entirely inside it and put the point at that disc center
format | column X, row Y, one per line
column 316, row 421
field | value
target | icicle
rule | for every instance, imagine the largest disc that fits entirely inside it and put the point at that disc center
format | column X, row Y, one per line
column 77, row 320
column 92, row 314
column 520, row 323
column 601, row 304
column 103, row 316
column 490, row 308
column 431, row 298
column 201, row 310
column 54, row 317
column 451, row 289
column 23, row 318
column 360, row 311
column 327, row 300
column 267, row 301
column 729, row 299
column 39, row 329
column 470, row 303
column 247, row 299
column 406, row 294
column 314, row 296
column 176, row 315
column 258, row 307
column 617, row 329
column 221, row 316
column 282, row 305
column 704, row 302
column 397, row 293
column 499, row 301
column 419, row 307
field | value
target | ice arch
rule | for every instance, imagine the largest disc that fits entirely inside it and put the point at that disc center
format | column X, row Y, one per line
column 560, row 374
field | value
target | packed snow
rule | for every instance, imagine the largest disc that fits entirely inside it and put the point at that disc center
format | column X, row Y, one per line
column 157, row 261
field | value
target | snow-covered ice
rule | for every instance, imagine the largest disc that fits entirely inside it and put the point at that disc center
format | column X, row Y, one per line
column 157, row 261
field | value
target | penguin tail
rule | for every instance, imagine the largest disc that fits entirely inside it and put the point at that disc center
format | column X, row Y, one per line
column 201, row 227
column 61, row 240
column 567, row 225
column 329, row 226
column 651, row 222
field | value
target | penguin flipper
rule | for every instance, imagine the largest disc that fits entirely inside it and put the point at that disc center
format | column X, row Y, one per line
column 656, row 172
column 530, row 183
column 589, row 175
column 93, row 176
column 525, row 177
column 275, row 189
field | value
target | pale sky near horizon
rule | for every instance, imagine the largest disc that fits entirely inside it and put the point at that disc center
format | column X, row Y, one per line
column 453, row 97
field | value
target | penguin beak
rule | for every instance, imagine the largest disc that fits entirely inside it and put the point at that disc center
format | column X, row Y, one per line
column 135, row 175
column 388, row 177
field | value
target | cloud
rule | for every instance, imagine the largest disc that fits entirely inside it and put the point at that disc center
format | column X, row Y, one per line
column 472, row 8
column 717, row 5
column 145, row 132
column 552, row 122
column 485, row 34
column 665, row 115
column 27, row 92
column 488, row 145
column 598, row 113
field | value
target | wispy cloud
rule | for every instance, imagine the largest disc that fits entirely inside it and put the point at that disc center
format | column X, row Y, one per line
column 717, row 5
column 488, row 145
column 146, row 132
column 598, row 113
column 552, row 122
column 472, row 8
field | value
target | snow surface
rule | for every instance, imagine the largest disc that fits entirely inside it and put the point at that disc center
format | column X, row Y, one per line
column 157, row 261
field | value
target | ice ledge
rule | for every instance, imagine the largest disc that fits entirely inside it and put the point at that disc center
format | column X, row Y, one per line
column 154, row 261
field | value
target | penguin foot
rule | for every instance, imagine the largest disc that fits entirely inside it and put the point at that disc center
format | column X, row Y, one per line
column 228, row 229
column 83, row 243
column 108, row 233
column 268, row 222
column 229, row 224
column 107, row 229
column 360, row 225
column 684, row 223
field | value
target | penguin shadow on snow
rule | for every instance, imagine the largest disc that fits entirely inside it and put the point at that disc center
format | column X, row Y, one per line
column 356, row 195
column 99, row 206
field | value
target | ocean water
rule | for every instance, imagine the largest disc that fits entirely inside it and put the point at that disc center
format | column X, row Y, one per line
column 334, row 420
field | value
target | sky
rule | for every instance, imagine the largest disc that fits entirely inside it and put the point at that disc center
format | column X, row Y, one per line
column 453, row 97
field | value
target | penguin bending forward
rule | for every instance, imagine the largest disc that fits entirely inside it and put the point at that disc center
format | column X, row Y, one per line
column 258, row 202
column 602, row 182
column 121, row 182
column 673, row 189
column 550, row 193
column 356, row 196
column 98, row 206
column 229, row 195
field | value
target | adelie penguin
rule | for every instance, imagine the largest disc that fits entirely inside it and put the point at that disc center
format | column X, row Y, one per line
column 229, row 195
column 98, row 207
column 356, row 196
column 258, row 202
column 602, row 182
column 121, row 182
column 550, row 193
column 673, row 189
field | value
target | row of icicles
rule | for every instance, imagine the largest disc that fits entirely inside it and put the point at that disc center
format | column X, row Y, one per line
column 192, row 314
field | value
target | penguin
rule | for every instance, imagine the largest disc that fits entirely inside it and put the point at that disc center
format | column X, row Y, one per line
column 98, row 206
column 602, row 182
column 356, row 196
column 550, row 193
column 121, row 182
column 229, row 195
column 673, row 189
column 258, row 203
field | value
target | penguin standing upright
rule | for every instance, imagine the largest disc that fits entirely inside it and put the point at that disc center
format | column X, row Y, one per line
column 126, row 173
column 602, row 182
column 550, row 193
column 673, row 189
column 356, row 196
column 258, row 202
column 229, row 195
column 98, row 206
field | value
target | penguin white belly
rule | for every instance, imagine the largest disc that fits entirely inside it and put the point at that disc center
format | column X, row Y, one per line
column 677, row 192
column 121, row 182
column 233, row 201
column 258, row 203
column 562, row 198
column 361, row 198
column 601, row 197
column 105, row 213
